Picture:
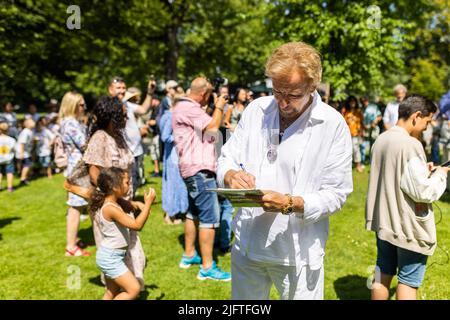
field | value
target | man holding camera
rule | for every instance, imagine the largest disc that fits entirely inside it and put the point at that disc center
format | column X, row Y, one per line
column 117, row 88
column 195, row 135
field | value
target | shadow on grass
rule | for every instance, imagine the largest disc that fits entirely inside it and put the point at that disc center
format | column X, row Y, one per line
column 144, row 294
column 97, row 281
column 149, row 181
column 4, row 222
column 216, row 252
column 354, row 287
column 446, row 197
column 87, row 236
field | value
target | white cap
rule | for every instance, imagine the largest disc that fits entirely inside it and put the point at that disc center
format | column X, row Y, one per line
column 171, row 84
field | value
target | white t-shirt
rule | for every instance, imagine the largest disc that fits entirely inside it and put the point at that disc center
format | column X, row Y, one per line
column 35, row 116
column 43, row 139
column 390, row 116
column 54, row 128
column 133, row 135
column 7, row 146
column 26, row 138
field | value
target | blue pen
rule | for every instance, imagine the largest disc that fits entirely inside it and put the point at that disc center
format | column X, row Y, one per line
column 242, row 167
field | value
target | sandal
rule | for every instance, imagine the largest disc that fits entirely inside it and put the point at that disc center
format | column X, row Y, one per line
column 77, row 252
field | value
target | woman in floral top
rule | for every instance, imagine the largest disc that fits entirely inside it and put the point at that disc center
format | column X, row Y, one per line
column 107, row 148
column 355, row 121
column 73, row 135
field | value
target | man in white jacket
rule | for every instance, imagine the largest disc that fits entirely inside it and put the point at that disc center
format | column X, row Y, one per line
column 299, row 151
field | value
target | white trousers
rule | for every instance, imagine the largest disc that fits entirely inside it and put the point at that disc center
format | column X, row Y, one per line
column 252, row 280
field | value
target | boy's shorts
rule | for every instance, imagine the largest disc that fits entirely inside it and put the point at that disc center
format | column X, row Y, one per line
column 203, row 205
column 411, row 265
column 45, row 162
column 153, row 148
column 7, row 167
column 27, row 162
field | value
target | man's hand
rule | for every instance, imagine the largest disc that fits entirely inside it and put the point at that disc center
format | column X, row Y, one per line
column 430, row 166
column 221, row 102
column 151, row 87
column 239, row 180
column 273, row 201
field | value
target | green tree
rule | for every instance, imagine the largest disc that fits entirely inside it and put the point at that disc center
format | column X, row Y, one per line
column 363, row 46
column 360, row 43
column 428, row 79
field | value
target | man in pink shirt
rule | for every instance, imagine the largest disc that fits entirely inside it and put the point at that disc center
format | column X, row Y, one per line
column 195, row 134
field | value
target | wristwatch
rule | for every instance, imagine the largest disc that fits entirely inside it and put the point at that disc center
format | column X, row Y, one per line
column 287, row 210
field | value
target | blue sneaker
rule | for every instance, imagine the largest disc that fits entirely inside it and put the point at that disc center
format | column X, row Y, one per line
column 186, row 262
column 213, row 273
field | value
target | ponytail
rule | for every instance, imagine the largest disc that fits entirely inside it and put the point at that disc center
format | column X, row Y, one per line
column 97, row 200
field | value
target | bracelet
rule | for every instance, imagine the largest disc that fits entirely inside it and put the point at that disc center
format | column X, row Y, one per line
column 287, row 210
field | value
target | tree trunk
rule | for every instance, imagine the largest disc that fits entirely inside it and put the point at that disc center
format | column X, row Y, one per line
column 171, row 56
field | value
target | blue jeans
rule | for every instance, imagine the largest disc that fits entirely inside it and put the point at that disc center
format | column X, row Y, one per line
column 45, row 162
column 7, row 167
column 203, row 205
column 363, row 148
column 27, row 162
column 223, row 237
column 411, row 265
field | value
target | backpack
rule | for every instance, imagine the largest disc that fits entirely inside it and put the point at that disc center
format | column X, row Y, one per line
column 59, row 153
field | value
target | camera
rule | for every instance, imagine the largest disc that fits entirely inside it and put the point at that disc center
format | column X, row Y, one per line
column 219, row 81
column 216, row 82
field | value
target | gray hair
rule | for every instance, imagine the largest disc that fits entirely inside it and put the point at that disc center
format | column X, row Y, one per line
column 400, row 87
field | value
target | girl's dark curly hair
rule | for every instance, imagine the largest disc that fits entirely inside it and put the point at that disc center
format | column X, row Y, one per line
column 109, row 110
column 108, row 179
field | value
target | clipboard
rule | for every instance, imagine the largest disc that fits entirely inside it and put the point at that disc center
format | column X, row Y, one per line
column 238, row 197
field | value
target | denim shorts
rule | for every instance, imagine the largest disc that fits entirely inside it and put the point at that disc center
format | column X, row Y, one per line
column 111, row 262
column 411, row 265
column 7, row 167
column 27, row 162
column 203, row 205
column 45, row 162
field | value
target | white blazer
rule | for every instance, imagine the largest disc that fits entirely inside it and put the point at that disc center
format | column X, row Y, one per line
column 314, row 161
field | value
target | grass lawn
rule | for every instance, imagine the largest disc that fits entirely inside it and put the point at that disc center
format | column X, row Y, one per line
column 33, row 265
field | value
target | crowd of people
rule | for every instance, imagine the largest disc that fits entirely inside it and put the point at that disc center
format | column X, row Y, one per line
column 367, row 119
column 201, row 138
column 116, row 133
column 26, row 144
